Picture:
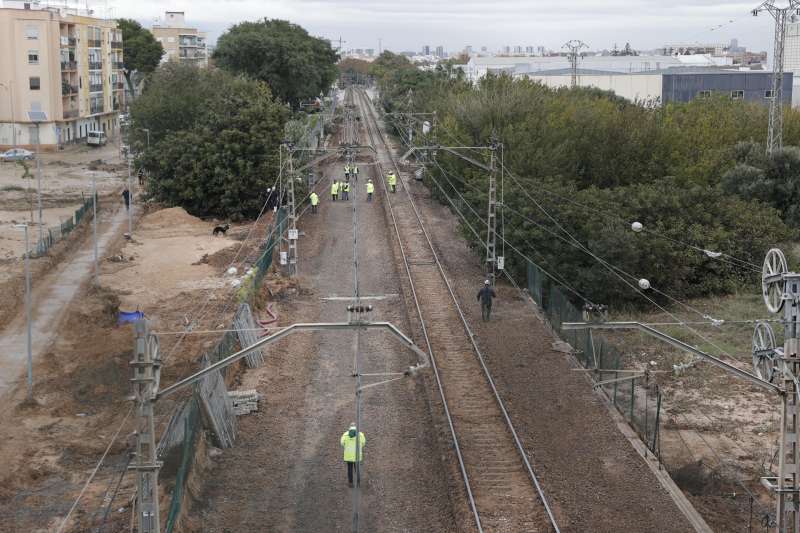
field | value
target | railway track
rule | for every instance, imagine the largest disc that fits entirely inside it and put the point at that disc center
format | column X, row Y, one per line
column 503, row 491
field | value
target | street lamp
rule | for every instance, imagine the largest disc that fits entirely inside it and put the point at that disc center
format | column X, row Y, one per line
column 10, row 88
column 28, row 306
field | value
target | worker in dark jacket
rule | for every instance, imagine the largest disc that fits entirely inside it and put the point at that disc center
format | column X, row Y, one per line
column 485, row 296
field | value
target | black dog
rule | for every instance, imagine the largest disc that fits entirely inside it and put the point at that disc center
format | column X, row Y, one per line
column 221, row 229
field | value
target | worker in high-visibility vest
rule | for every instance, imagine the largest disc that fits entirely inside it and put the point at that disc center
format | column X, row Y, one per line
column 370, row 189
column 348, row 442
column 334, row 190
column 347, row 171
column 314, row 201
column 392, row 179
column 354, row 172
column 346, row 190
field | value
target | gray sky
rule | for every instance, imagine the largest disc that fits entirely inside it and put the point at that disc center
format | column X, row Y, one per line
column 408, row 24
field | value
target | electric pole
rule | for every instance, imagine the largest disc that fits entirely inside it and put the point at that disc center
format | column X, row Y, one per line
column 574, row 46
column 491, row 219
column 775, row 131
column 292, row 233
column 146, row 367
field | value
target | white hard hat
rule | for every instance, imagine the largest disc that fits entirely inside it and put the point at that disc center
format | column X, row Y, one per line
column 486, row 282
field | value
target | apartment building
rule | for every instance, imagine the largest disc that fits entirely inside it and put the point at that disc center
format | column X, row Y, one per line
column 181, row 43
column 60, row 75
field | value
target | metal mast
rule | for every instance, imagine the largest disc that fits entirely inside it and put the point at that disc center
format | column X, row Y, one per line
column 290, row 202
column 146, row 367
column 775, row 132
column 491, row 219
column 574, row 46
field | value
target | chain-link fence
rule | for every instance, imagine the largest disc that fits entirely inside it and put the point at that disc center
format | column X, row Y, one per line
column 631, row 392
column 188, row 420
column 52, row 235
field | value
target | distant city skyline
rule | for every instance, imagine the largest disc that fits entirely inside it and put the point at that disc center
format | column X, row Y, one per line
column 456, row 24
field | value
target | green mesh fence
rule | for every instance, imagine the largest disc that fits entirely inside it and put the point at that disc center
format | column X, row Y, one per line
column 192, row 422
column 55, row 234
column 638, row 402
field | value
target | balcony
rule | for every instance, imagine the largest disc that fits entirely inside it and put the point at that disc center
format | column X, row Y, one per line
column 94, row 43
column 96, row 88
column 116, row 45
column 95, row 65
column 118, row 65
column 96, row 108
column 70, row 113
column 116, row 106
column 68, row 42
column 67, row 89
column 69, row 65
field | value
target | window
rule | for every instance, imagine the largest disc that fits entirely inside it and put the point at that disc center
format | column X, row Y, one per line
column 768, row 93
column 737, row 95
column 31, row 32
column 704, row 94
column 34, row 82
column 33, row 57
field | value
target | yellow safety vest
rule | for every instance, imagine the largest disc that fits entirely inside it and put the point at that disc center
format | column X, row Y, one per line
column 346, row 187
column 349, row 445
column 335, row 188
column 370, row 188
column 392, row 179
column 314, row 198
column 355, row 170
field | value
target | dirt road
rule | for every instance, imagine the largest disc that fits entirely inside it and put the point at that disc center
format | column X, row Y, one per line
column 51, row 296
column 286, row 471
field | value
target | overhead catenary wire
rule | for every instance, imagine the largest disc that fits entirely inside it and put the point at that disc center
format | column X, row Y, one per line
column 720, row 256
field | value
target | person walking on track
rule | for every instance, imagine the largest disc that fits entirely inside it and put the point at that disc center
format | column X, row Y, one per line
column 348, row 442
column 370, row 189
column 314, row 201
column 392, row 179
column 485, row 296
column 126, row 197
column 347, row 171
column 334, row 190
column 354, row 172
column 346, row 190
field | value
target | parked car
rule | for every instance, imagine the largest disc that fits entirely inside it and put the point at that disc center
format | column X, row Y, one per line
column 16, row 154
column 96, row 138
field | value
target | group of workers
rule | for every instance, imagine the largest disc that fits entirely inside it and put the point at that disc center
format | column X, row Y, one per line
column 340, row 190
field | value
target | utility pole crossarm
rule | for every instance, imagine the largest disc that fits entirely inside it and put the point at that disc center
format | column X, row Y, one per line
column 678, row 344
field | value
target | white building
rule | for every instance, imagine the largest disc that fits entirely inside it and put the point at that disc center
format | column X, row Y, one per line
column 791, row 58
column 478, row 67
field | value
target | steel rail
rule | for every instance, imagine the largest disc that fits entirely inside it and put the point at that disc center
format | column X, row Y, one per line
column 431, row 355
column 468, row 330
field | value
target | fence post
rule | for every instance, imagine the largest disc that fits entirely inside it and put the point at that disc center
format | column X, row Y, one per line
column 633, row 397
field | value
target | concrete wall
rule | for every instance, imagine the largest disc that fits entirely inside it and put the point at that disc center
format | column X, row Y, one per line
column 641, row 87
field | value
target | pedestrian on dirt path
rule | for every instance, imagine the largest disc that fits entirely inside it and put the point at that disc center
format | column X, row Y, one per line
column 314, row 201
column 334, row 190
column 354, row 172
column 347, row 171
column 348, row 442
column 485, row 296
column 126, row 197
column 370, row 189
column 392, row 179
column 346, row 191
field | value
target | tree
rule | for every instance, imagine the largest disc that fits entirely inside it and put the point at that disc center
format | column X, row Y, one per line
column 214, row 140
column 294, row 64
column 141, row 52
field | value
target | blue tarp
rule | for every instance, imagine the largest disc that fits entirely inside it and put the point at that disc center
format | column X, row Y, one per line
column 129, row 316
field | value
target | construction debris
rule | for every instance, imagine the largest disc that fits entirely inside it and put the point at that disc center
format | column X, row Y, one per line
column 244, row 401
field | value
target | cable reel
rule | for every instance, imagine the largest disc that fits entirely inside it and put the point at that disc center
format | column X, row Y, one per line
column 773, row 285
column 766, row 355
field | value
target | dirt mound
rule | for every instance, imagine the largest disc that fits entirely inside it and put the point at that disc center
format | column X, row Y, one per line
column 172, row 216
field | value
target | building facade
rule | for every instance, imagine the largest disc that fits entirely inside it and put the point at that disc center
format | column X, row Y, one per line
column 673, row 85
column 60, row 76
column 180, row 42
column 791, row 58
